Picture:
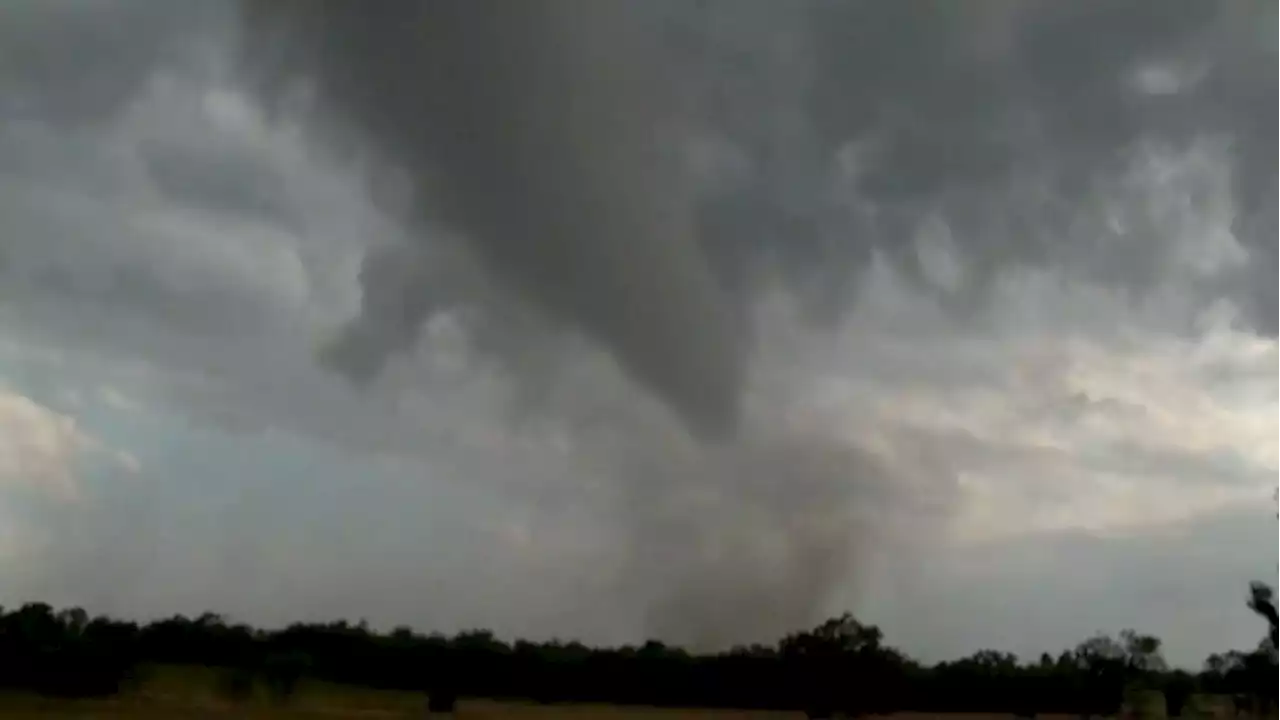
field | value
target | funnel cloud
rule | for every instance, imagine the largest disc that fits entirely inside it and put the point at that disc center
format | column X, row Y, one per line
column 543, row 133
column 544, row 137
column 554, row 139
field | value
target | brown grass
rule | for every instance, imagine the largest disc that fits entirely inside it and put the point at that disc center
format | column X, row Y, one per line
column 189, row 693
column 467, row 710
column 153, row 709
column 317, row 708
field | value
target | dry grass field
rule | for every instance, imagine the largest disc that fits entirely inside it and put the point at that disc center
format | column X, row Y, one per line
column 474, row 710
column 155, row 709
column 189, row 693
column 152, row 710
column 316, row 707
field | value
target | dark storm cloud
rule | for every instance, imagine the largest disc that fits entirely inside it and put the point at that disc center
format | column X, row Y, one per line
column 1051, row 94
column 139, row 265
column 232, row 181
column 542, row 145
column 1013, row 122
column 70, row 69
column 200, row 308
column 76, row 62
column 1009, row 118
column 538, row 131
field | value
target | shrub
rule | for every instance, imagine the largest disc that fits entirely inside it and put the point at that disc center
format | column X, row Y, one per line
column 282, row 672
column 235, row 684
column 76, row 672
column 441, row 700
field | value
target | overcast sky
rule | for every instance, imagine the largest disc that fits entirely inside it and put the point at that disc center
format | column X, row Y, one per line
column 972, row 330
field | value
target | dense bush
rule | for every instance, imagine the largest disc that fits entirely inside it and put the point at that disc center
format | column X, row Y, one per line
column 235, row 683
column 441, row 700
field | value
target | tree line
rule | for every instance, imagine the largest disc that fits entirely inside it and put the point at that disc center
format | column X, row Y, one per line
column 841, row 665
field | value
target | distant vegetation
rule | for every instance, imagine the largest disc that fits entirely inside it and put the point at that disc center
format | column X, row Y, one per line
column 841, row 665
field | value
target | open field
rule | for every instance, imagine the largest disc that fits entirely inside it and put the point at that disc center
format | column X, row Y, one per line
column 158, row 709
column 153, row 710
column 479, row 710
column 189, row 693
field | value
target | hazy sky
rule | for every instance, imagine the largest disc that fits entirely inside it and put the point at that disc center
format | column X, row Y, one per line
column 964, row 321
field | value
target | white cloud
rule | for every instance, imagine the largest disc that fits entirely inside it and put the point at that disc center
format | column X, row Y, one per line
column 117, row 400
column 41, row 449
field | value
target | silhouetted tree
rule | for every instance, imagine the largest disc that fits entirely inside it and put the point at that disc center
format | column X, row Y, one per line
column 1177, row 686
column 840, row 667
column 1260, row 666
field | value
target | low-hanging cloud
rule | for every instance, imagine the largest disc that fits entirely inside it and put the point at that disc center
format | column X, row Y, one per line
column 860, row 130
column 540, row 133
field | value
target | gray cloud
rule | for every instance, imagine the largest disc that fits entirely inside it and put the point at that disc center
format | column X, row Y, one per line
column 544, row 138
column 43, row 66
column 960, row 109
column 554, row 169
column 1183, row 582
column 229, row 181
column 1012, row 123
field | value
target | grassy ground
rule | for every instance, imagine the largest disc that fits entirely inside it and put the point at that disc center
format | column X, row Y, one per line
column 13, row 709
column 189, row 693
column 126, row 708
